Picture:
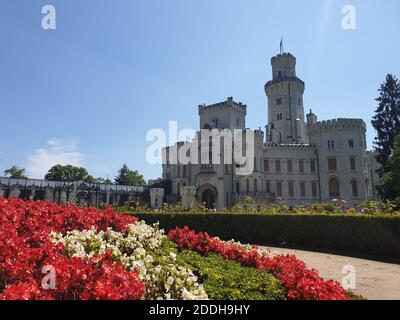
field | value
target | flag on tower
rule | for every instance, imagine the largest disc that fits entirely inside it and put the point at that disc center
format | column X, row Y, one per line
column 281, row 46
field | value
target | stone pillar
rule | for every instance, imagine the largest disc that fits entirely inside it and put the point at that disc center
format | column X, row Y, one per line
column 14, row 193
column 156, row 198
column 92, row 199
column 72, row 196
column 108, row 196
column 188, row 194
column 33, row 192
column 63, row 196
column 49, row 195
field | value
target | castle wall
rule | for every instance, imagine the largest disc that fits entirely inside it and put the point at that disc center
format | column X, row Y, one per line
column 340, row 141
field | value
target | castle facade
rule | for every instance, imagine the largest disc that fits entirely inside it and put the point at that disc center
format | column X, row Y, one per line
column 297, row 159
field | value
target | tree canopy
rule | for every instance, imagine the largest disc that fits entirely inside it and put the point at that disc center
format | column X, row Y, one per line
column 391, row 176
column 127, row 177
column 15, row 173
column 387, row 125
column 387, row 118
column 68, row 173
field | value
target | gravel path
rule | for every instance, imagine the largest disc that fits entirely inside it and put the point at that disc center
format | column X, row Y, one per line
column 374, row 280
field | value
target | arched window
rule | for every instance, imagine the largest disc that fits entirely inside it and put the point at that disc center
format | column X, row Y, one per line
column 247, row 186
column 334, row 188
column 255, row 186
column 354, row 188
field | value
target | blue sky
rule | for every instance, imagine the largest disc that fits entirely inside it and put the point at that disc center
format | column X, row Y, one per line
column 88, row 92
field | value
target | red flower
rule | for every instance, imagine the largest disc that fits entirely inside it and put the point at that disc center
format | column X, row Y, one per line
column 25, row 248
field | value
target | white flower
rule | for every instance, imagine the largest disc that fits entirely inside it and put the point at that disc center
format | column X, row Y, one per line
column 133, row 249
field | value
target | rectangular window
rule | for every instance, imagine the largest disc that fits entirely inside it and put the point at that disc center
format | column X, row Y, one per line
column 278, row 166
column 278, row 101
column 290, row 166
column 312, row 166
column 332, row 165
column 301, row 166
column 268, row 187
column 353, row 163
column 302, row 189
column 290, row 189
column 279, row 189
column 314, row 189
column 266, row 165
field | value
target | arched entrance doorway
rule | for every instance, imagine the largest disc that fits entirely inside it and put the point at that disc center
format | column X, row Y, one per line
column 208, row 197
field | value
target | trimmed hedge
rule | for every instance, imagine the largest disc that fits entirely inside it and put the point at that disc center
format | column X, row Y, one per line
column 366, row 235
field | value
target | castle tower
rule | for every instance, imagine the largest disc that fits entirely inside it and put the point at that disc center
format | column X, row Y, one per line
column 286, row 123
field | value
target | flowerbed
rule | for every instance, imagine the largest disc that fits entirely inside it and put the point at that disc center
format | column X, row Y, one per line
column 102, row 254
column 300, row 282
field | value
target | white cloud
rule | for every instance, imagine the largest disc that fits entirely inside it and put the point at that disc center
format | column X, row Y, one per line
column 56, row 152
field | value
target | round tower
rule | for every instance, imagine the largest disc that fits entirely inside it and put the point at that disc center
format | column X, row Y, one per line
column 285, row 91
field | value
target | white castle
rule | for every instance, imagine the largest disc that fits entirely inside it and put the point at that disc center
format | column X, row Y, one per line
column 296, row 161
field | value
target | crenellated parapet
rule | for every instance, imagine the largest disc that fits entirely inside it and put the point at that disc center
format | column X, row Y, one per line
column 222, row 105
column 336, row 125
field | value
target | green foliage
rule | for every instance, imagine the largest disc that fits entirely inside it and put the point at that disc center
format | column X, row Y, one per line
column 387, row 123
column 127, row 177
column 228, row 280
column 223, row 279
column 365, row 234
column 391, row 176
column 15, row 173
column 68, row 173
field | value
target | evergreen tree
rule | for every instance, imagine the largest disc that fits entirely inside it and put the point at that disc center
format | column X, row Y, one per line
column 387, row 118
column 127, row 177
column 387, row 124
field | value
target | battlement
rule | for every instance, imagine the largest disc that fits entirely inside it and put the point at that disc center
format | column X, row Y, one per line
column 282, row 79
column 289, row 146
column 230, row 103
column 341, row 121
column 284, row 55
column 335, row 124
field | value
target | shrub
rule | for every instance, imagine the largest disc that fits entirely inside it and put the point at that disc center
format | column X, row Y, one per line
column 228, row 280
